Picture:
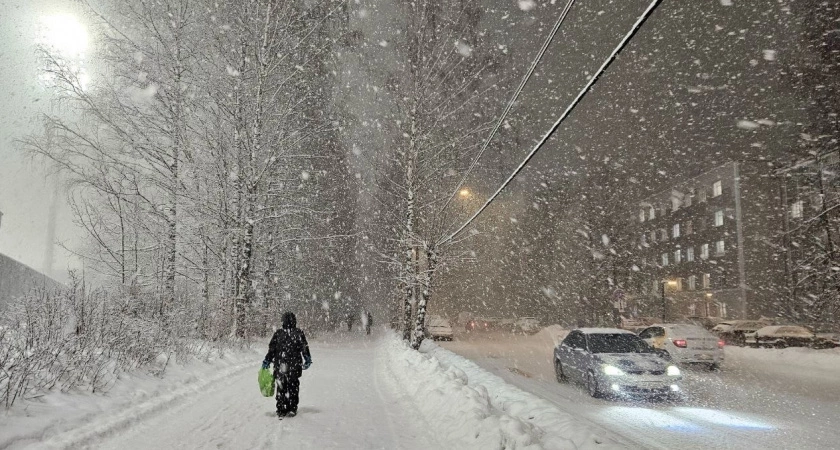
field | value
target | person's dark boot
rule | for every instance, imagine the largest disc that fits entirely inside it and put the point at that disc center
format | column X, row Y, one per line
column 281, row 415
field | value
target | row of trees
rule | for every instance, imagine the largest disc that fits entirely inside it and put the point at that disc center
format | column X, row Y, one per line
column 200, row 147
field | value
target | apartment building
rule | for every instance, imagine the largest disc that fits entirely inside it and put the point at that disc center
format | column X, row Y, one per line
column 708, row 244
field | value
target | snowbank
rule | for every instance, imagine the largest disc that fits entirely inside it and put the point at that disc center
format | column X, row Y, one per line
column 473, row 409
column 793, row 361
column 70, row 419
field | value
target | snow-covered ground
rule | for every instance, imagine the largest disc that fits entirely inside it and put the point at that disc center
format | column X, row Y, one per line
column 760, row 398
column 362, row 392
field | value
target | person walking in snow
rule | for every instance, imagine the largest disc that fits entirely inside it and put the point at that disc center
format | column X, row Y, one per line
column 288, row 351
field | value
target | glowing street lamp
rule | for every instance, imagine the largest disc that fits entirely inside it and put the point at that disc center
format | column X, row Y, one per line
column 64, row 34
column 465, row 193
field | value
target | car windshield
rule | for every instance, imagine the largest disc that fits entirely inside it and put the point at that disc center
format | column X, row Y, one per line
column 617, row 343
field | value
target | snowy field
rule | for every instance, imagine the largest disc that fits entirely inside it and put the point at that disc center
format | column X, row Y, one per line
column 362, row 392
column 762, row 398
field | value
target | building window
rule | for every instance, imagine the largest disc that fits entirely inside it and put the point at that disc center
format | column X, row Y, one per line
column 664, row 259
column 688, row 198
column 704, row 251
column 721, row 309
column 676, row 230
column 719, row 248
column 717, row 189
column 796, row 210
column 692, row 282
column 718, row 218
column 689, row 227
column 653, row 236
column 641, row 215
column 675, row 203
column 677, row 256
column 678, row 284
column 701, row 195
column 651, row 213
column 707, row 281
column 643, row 240
column 689, row 254
column 663, row 235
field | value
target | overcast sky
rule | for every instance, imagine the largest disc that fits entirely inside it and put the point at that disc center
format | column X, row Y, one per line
column 26, row 188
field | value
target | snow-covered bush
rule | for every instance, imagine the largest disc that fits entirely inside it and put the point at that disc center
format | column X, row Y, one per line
column 75, row 339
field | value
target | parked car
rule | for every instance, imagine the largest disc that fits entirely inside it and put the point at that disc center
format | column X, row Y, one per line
column 827, row 340
column 723, row 327
column 439, row 329
column 735, row 334
column 781, row 336
column 506, row 324
column 528, row 325
column 685, row 343
column 611, row 361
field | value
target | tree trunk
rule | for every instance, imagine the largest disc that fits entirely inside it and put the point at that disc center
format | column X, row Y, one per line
column 425, row 295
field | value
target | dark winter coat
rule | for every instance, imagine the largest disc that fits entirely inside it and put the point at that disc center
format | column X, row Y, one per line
column 288, row 348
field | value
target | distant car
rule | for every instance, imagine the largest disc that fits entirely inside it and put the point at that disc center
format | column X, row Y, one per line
column 506, row 324
column 685, row 343
column 781, row 336
column 723, row 327
column 439, row 329
column 478, row 324
column 527, row 325
column 615, row 362
column 734, row 335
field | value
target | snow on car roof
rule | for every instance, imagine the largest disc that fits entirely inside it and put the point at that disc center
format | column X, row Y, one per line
column 603, row 331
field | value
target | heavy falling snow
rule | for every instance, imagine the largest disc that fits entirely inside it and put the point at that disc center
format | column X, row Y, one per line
column 391, row 224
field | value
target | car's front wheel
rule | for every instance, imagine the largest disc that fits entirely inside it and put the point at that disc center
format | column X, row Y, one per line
column 781, row 344
column 592, row 385
column 558, row 371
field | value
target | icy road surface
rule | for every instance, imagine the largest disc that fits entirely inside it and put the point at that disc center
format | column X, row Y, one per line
column 347, row 402
column 760, row 398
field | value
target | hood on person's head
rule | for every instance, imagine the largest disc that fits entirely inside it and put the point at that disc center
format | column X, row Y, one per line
column 289, row 320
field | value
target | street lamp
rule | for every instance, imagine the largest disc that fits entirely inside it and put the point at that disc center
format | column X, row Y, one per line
column 465, row 193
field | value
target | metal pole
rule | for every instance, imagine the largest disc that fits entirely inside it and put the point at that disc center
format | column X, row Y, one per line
column 664, row 300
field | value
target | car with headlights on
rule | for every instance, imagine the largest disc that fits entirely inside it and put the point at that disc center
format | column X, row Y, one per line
column 685, row 343
column 615, row 362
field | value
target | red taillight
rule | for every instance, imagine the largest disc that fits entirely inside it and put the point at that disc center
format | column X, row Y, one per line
column 721, row 343
column 680, row 343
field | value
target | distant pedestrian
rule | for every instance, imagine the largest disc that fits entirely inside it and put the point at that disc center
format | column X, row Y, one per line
column 368, row 321
column 288, row 351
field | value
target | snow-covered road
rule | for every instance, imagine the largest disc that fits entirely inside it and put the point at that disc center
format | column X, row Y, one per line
column 751, row 403
column 347, row 402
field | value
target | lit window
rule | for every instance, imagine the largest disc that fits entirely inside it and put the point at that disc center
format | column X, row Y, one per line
column 718, row 218
column 689, row 254
column 653, row 236
column 651, row 213
column 676, row 230
column 717, row 189
column 692, row 282
column 664, row 234
column 641, row 215
column 722, row 309
column 643, row 241
column 677, row 256
column 664, row 259
column 796, row 210
column 707, row 281
column 677, row 285
column 675, row 203
column 719, row 248
column 704, row 251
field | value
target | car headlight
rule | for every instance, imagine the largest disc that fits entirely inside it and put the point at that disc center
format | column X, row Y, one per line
column 674, row 371
column 612, row 371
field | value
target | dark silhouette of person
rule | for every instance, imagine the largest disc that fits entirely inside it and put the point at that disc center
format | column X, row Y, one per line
column 288, row 351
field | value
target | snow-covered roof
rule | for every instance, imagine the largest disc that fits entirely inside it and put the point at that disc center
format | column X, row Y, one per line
column 603, row 331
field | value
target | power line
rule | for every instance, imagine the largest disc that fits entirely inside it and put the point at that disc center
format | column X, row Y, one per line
column 636, row 26
column 509, row 106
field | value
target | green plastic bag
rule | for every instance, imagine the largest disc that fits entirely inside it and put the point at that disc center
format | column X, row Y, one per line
column 266, row 379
